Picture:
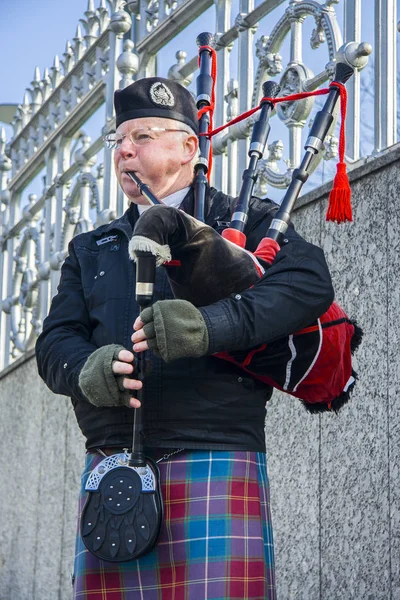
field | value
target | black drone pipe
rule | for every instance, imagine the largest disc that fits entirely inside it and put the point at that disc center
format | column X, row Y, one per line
column 144, row 189
column 258, row 142
column 145, row 277
column 204, row 84
column 313, row 145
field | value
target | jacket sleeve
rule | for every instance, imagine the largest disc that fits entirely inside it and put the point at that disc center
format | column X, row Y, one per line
column 294, row 291
column 64, row 344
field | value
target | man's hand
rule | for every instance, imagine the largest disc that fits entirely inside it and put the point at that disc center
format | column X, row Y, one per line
column 124, row 366
column 139, row 338
column 172, row 329
column 103, row 378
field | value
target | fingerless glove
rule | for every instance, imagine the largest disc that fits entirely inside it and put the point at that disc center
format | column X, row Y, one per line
column 175, row 329
column 97, row 381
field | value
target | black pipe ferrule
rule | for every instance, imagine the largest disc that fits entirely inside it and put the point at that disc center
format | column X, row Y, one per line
column 204, row 39
column 204, row 84
column 261, row 130
column 320, row 127
column 137, row 459
column 270, row 90
column 300, row 174
column 249, row 174
column 343, row 72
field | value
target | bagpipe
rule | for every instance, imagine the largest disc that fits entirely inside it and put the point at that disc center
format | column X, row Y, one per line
column 314, row 364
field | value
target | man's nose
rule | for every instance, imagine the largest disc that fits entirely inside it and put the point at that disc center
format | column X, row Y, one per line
column 127, row 148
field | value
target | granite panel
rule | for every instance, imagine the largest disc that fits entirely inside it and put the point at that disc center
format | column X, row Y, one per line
column 393, row 382
column 293, row 438
column 50, row 504
column 355, row 551
column 307, row 221
column 73, row 468
column 20, row 425
column 39, row 521
column 293, row 463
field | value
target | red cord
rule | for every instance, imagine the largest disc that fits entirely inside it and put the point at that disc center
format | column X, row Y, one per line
column 343, row 111
column 244, row 115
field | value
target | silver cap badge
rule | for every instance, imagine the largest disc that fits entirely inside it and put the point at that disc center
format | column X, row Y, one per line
column 161, row 94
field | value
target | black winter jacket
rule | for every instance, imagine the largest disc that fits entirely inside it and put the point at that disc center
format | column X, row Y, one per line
column 192, row 403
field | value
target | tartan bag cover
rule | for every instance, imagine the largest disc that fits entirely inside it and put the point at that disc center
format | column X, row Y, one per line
column 216, row 538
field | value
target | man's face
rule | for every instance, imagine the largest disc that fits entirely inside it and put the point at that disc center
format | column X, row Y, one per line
column 164, row 163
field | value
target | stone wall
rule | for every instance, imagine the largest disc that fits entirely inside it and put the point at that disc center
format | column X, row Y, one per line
column 42, row 457
column 334, row 478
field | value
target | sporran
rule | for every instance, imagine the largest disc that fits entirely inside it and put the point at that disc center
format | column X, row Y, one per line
column 122, row 516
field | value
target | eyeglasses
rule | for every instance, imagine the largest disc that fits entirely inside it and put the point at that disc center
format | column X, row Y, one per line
column 139, row 137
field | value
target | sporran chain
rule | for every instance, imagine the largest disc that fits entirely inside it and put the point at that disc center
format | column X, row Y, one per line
column 165, row 457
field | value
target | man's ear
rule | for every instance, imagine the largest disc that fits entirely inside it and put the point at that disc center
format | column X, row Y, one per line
column 191, row 144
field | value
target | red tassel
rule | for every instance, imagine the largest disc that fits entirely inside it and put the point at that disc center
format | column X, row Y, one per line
column 339, row 208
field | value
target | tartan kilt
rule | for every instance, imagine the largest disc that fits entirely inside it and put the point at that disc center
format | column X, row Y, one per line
column 215, row 542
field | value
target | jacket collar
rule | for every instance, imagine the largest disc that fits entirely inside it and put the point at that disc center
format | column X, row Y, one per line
column 218, row 206
column 124, row 223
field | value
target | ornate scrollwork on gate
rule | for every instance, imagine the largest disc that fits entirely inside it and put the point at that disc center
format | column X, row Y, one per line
column 152, row 15
column 295, row 77
column 24, row 301
column 83, row 205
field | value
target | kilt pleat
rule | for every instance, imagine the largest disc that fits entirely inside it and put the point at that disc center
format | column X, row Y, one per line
column 216, row 540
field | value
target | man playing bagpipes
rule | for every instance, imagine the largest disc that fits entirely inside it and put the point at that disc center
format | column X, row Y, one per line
column 203, row 417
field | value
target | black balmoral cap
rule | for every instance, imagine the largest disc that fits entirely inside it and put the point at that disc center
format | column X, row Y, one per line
column 156, row 97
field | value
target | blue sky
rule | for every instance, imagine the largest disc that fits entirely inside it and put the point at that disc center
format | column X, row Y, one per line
column 31, row 33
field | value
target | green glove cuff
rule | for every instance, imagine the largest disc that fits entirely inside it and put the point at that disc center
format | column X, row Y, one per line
column 98, row 382
column 175, row 329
